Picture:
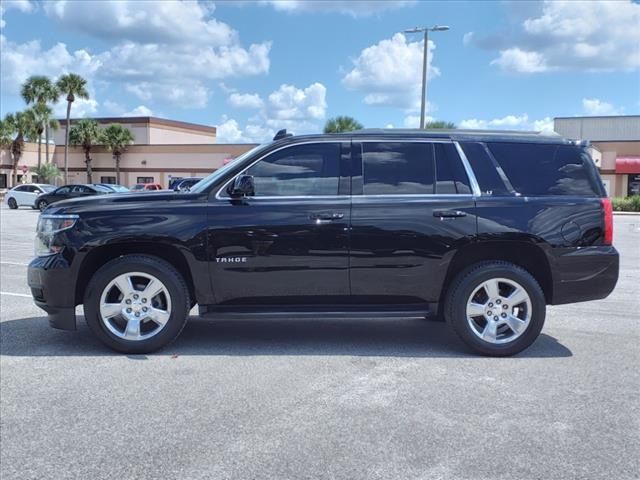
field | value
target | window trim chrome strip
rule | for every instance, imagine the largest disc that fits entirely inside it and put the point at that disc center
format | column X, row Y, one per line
column 475, row 186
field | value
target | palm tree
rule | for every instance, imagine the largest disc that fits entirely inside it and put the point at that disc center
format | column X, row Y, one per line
column 437, row 124
column 116, row 139
column 72, row 86
column 40, row 90
column 85, row 133
column 46, row 173
column 17, row 127
column 41, row 115
column 341, row 124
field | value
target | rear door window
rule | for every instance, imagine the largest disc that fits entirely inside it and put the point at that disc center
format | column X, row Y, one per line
column 451, row 177
column 538, row 169
column 396, row 168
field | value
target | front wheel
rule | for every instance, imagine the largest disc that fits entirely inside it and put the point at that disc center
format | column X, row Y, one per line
column 137, row 304
column 12, row 203
column 496, row 308
column 42, row 204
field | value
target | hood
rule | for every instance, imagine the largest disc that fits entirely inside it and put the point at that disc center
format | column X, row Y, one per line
column 117, row 201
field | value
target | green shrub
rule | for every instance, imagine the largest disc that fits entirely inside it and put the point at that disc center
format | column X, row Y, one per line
column 626, row 204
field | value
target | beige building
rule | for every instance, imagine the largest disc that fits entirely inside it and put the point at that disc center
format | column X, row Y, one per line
column 162, row 149
column 617, row 141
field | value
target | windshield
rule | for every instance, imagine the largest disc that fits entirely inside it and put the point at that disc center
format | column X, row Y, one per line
column 138, row 186
column 48, row 188
column 203, row 184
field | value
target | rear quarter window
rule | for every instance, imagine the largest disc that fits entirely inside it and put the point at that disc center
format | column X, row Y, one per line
column 539, row 169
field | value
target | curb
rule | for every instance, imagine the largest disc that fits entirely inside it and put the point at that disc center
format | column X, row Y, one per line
column 626, row 213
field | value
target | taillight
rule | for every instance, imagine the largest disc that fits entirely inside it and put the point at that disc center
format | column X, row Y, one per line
column 608, row 221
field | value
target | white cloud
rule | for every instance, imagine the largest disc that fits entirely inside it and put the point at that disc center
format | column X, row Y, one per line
column 299, row 110
column 467, row 38
column 139, row 111
column 187, row 94
column 151, row 62
column 21, row 60
column 596, row 107
column 517, row 60
column 245, row 100
column 570, row 35
column 360, row 8
column 160, row 21
column 390, row 72
column 289, row 104
column 509, row 122
column 413, row 121
column 229, row 131
column 80, row 108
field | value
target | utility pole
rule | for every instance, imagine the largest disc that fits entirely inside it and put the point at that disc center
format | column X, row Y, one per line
column 426, row 30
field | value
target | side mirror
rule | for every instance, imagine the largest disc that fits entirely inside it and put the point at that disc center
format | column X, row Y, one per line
column 243, row 186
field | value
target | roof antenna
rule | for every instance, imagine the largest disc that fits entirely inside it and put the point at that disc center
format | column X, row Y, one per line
column 282, row 134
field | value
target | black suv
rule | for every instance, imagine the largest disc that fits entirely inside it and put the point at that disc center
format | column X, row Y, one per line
column 483, row 229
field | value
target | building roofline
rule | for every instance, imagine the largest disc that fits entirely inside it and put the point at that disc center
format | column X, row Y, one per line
column 150, row 121
column 596, row 116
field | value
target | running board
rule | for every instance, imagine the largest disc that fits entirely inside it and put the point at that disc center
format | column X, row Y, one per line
column 336, row 311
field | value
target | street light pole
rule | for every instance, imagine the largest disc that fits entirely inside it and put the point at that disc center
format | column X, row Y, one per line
column 423, row 105
column 426, row 30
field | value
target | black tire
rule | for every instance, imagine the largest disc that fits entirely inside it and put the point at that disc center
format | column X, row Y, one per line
column 42, row 204
column 466, row 283
column 163, row 271
column 12, row 203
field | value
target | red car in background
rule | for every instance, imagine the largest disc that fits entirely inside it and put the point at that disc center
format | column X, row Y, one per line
column 146, row 186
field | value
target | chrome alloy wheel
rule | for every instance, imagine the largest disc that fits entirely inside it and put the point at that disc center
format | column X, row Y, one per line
column 499, row 310
column 135, row 306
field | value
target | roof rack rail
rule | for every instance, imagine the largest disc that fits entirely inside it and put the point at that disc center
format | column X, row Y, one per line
column 282, row 134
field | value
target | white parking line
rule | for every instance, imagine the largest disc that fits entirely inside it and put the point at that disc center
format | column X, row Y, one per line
column 14, row 263
column 11, row 294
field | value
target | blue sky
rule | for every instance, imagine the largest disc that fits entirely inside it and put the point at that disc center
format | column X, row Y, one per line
column 250, row 68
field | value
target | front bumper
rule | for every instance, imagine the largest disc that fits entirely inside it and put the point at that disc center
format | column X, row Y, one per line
column 589, row 273
column 52, row 285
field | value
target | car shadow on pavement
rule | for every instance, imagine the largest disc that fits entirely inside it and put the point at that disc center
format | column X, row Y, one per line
column 354, row 337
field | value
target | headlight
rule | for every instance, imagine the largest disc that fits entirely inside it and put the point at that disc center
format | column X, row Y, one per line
column 48, row 227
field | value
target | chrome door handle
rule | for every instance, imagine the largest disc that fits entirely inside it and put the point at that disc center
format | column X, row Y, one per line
column 326, row 216
column 449, row 213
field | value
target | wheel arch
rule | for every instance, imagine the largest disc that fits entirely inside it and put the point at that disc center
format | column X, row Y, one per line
column 99, row 256
column 526, row 255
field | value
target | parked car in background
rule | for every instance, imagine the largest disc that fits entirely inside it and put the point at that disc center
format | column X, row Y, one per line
column 146, row 187
column 25, row 195
column 185, row 184
column 113, row 187
column 67, row 192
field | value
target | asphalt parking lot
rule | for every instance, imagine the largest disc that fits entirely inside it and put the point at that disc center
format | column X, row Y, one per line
column 320, row 399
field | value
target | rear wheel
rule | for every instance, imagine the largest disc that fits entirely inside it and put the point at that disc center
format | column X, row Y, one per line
column 496, row 308
column 42, row 204
column 137, row 304
column 12, row 203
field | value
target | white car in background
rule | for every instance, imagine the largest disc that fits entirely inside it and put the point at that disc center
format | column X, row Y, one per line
column 25, row 195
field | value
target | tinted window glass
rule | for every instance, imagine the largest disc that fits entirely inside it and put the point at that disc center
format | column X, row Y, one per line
column 21, row 188
column 299, row 170
column 545, row 169
column 450, row 174
column 63, row 190
column 484, row 170
column 397, row 168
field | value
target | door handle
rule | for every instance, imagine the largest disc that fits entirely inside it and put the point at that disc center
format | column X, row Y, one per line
column 326, row 216
column 449, row 213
